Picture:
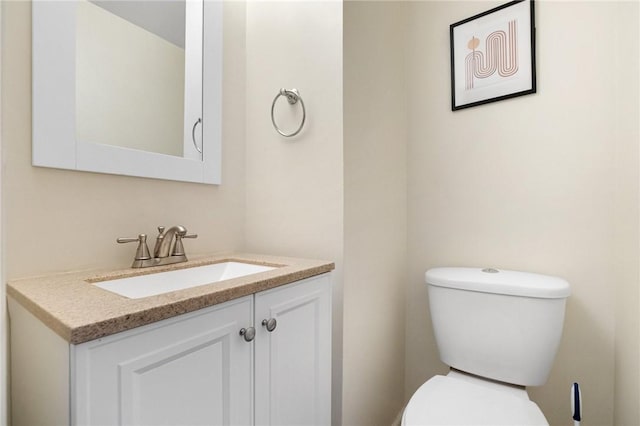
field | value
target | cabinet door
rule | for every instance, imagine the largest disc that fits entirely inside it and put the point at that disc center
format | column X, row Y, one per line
column 194, row 369
column 293, row 362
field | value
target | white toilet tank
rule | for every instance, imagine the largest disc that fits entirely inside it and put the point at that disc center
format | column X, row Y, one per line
column 502, row 325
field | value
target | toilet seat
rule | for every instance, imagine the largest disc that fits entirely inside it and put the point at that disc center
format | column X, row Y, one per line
column 444, row 400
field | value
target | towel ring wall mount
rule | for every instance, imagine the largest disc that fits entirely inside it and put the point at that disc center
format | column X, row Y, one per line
column 293, row 96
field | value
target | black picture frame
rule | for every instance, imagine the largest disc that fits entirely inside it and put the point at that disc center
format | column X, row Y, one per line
column 510, row 53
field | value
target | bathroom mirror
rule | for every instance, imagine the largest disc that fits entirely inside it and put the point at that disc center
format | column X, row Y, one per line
column 130, row 70
column 118, row 87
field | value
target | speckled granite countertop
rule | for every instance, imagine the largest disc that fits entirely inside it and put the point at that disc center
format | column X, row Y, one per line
column 79, row 311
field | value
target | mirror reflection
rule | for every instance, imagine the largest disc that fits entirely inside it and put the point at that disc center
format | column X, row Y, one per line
column 132, row 61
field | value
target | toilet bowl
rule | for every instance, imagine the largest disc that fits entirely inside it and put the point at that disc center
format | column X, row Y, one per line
column 451, row 400
column 499, row 332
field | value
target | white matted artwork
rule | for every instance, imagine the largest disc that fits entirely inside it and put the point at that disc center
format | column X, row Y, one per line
column 493, row 55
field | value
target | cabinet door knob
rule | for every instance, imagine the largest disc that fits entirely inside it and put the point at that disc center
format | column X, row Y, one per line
column 271, row 324
column 248, row 333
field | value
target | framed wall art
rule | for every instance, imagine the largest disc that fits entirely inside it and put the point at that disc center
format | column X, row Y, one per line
column 493, row 55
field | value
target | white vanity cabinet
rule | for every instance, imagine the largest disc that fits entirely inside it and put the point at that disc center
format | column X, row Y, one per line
column 192, row 369
column 293, row 362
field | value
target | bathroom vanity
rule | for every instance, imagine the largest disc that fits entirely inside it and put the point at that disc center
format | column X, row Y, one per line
column 248, row 350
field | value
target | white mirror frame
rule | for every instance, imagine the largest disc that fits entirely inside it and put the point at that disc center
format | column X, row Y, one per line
column 54, row 140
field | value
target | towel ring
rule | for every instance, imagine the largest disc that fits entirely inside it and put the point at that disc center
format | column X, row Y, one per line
column 293, row 96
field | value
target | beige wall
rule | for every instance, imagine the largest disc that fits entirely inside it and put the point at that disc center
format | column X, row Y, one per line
column 4, row 362
column 375, row 211
column 545, row 183
column 627, row 242
column 294, row 203
column 61, row 220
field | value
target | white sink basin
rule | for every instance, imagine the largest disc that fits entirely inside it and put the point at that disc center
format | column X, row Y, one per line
column 164, row 282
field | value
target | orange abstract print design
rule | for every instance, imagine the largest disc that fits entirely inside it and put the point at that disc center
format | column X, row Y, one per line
column 501, row 55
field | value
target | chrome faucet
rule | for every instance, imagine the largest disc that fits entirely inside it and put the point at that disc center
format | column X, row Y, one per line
column 168, row 249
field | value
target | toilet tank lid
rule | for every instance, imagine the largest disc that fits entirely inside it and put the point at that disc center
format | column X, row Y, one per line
column 499, row 281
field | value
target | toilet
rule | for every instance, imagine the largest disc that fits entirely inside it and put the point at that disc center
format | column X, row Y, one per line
column 499, row 332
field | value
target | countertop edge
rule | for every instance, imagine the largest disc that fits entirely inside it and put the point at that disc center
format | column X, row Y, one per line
column 43, row 315
column 132, row 313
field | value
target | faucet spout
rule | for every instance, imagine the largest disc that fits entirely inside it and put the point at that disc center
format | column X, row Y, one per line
column 166, row 240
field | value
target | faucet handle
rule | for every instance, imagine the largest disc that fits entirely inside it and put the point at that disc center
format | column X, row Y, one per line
column 178, row 248
column 161, row 230
column 142, row 252
column 122, row 240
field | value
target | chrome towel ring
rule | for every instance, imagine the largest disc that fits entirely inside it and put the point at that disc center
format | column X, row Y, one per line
column 293, row 96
